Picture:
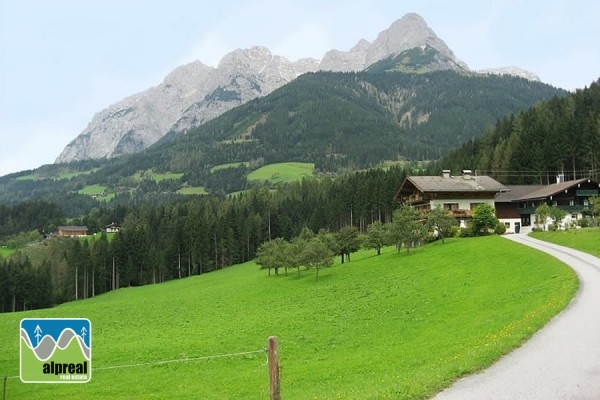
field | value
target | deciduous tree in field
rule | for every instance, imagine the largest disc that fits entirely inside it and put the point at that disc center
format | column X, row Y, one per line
column 439, row 222
column 376, row 236
column 348, row 241
column 407, row 227
column 315, row 254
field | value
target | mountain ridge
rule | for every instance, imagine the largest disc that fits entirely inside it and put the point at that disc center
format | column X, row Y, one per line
column 195, row 93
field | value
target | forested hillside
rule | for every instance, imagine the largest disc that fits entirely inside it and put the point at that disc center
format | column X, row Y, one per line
column 355, row 120
column 175, row 239
column 561, row 135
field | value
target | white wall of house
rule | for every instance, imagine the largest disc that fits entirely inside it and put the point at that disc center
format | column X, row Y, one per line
column 463, row 204
column 511, row 225
column 567, row 222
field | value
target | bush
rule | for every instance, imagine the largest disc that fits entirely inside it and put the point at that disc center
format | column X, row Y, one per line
column 584, row 222
column 500, row 229
column 465, row 232
column 454, row 231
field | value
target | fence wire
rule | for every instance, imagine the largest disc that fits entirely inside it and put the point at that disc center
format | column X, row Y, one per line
column 158, row 362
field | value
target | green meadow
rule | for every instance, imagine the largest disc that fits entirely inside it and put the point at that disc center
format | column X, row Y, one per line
column 282, row 172
column 586, row 239
column 93, row 190
column 5, row 251
column 393, row 326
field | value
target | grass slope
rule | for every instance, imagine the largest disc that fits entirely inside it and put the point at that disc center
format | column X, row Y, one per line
column 282, row 172
column 586, row 240
column 379, row 327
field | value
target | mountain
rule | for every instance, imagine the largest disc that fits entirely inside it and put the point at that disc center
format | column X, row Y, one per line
column 511, row 71
column 196, row 93
column 190, row 95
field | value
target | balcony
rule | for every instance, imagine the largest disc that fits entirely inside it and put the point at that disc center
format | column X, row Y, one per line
column 461, row 213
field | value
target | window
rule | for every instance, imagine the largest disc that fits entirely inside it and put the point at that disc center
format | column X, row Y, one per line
column 451, row 206
column 507, row 225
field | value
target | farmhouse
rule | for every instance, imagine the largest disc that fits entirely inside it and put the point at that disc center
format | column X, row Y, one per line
column 516, row 207
column 458, row 194
column 113, row 227
column 72, row 231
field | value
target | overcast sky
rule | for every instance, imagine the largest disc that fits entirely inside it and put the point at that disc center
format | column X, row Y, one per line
column 61, row 61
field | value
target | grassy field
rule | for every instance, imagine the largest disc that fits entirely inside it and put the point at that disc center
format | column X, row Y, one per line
column 93, row 190
column 5, row 251
column 586, row 239
column 282, row 172
column 394, row 326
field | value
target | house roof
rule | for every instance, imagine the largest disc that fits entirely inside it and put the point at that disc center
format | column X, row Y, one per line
column 516, row 192
column 534, row 192
column 455, row 184
column 73, row 228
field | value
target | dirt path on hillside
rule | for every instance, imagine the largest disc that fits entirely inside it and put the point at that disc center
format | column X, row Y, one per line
column 562, row 360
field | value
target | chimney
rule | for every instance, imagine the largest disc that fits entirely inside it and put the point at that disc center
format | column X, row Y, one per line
column 466, row 173
column 446, row 173
column 560, row 178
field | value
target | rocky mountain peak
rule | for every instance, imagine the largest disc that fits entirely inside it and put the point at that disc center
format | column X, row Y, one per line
column 195, row 93
column 408, row 32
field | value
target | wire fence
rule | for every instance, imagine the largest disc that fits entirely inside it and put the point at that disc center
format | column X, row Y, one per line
column 148, row 363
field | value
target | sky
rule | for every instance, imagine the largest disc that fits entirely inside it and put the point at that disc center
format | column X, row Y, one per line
column 62, row 61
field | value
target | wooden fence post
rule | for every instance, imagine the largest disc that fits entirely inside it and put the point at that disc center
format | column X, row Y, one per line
column 273, row 357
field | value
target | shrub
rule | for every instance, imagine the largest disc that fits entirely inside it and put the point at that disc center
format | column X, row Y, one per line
column 500, row 229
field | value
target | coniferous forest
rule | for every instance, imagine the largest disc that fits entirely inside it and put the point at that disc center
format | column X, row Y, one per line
column 560, row 136
column 179, row 237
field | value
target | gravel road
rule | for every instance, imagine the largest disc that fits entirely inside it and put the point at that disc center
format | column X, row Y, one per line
column 562, row 360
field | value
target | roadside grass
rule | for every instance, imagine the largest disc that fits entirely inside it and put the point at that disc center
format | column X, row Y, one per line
column 394, row 326
column 585, row 239
column 282, row 172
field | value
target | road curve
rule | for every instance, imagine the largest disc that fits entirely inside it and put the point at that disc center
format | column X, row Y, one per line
column 562, row 360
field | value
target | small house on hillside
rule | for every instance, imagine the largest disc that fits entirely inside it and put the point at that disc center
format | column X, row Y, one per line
column 113, row 227
column 458, row 194
column 516, row 207
column 72, row 231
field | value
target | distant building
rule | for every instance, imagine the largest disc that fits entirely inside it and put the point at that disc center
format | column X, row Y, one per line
column 72, row 230
column 112, row 228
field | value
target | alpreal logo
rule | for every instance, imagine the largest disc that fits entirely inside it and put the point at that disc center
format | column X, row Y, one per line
column 56, row 350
